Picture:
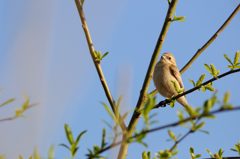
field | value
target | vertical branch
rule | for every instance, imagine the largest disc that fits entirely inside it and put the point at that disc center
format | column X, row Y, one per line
column 143, row 94
column 97, row 64
column 205, row 45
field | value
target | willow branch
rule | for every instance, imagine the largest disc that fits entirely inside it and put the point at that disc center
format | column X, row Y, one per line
column 142, row 97
column 169, row 125
column 97, row 64
column 205, row 45
column 164, row 102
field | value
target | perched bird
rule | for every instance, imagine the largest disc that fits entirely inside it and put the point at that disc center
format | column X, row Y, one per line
column 166, row 71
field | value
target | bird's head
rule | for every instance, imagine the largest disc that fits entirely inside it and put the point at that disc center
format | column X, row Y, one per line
column 168, row 58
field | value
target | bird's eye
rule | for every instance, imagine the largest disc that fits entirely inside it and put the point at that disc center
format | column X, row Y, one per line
column 169, row 58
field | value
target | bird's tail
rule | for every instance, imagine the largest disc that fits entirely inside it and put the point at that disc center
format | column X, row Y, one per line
column 182, row 100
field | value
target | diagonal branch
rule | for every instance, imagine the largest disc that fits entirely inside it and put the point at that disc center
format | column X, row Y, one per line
column 142, row 97
column 97, row 64
column 164, row 102
column 206, row 44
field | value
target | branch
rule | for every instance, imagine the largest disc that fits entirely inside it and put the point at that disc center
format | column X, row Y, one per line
column 206, row 45
column 164, row 102
column 169, row 125
column 97, row 64
column 7, row 119
column 142, row 97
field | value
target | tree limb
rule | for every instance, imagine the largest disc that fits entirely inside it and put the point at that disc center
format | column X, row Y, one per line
column 97, row 64
column 143, row 93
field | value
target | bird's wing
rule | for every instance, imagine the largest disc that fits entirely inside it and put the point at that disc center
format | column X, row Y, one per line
column 175, row 72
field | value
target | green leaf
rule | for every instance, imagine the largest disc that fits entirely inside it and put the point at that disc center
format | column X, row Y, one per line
column 99, row 54
column 209, row 152
column 210, row 88
column 228, row 59
column 172, row 104
column 51, row 152
column 175, row 85
column 191, row 150
column 226, row 97
column 8, row 101
column 175, row 152
column 105, row 55
column 110, row 112
column 220, row 152
column 64, row 146
column 181, row 19
column 171, row 134
column 236, row 66
column 20, row 157
column 82, row 1
column 192, row 82
column 95, row 54
column 236, row 58
column 208, row 68
column 200, row 80
column 200, row 125
column 69, row 134
column 203, row 131
column 234, row 150
column 214, row 71
column 210, row 116
column 79, row 137
column 198, row 155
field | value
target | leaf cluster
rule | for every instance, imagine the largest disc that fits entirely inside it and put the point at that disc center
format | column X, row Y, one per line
column 146, row 112
column 217, row 155
column 95, row 153
column 235, row 63
column 180, row 19
column 73, row 144
column 192, row 154
column 19, row 111
column 167, row 154
column 212, row 70
column 199, row 83
column 237, row 148
column 173, row 137
column 99, row 56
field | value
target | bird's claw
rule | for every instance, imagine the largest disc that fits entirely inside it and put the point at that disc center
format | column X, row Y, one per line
column 162, row 104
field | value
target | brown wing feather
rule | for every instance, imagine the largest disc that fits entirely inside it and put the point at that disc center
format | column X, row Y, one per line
column 175, row 72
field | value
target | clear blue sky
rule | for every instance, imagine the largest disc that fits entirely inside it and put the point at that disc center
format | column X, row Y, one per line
column 43, row 52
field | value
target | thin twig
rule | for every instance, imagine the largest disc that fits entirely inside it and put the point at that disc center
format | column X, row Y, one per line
column 164, row 102
column 142, row 97
column 169, row 125
column 97, row 64
column 7, row 119
column 205, row 45
column 175, row 144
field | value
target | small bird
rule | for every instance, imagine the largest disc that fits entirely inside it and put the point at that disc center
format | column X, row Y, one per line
column 166, row 71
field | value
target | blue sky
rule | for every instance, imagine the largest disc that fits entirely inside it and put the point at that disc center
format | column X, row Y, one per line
column 43, row 52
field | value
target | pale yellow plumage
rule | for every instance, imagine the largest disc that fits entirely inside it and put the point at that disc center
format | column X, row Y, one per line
column 166, row 71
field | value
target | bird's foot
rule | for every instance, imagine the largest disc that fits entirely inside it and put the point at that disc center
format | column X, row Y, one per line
column 162, row 104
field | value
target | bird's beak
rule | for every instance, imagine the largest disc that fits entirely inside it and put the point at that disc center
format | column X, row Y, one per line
column 163, row 58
